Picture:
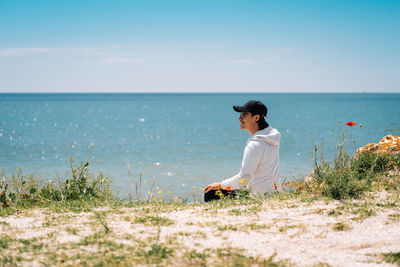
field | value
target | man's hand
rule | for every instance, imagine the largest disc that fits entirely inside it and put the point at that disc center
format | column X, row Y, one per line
column 213, row 186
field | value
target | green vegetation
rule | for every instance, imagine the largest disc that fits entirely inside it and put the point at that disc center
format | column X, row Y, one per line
column 25, row 191
column 359, row 210
column 340, row 226
column 392, row 257
column 350, row 177
column 115, row 250
column 153, row 220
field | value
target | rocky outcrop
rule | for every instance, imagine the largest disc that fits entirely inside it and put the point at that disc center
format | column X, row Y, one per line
column 389, row 144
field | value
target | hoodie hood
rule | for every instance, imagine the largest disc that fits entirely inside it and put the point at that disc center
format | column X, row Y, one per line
column 268, row 135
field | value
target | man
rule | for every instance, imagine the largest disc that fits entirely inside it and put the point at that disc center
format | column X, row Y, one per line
column 260, row 165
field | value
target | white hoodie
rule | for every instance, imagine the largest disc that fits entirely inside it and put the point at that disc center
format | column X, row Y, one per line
column 260, row 165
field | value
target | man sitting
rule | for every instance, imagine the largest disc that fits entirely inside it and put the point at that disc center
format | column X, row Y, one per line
column 260, row 165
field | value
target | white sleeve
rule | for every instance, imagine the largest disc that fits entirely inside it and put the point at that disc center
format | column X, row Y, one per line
column 251, row 158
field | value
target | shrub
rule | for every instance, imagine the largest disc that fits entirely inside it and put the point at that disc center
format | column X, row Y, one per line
column 338, row 183
column 27, row 190
column 19, row 188
column 349, row 177
column 376, row 163
column 82, row 183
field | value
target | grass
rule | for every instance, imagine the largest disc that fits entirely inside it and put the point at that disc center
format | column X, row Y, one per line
column 392, row 257
column 97, row 242
column 254, row 226
column 226, row 227
column 156, row 253
column 236, row 212
column 359, row 210
column 26, row 191
column 153, row 220
column 340, row 226
column 101, row 217
column 109, row 250
column 350, row 177
column 288, row 227
column 394, row 217
column 104, row 244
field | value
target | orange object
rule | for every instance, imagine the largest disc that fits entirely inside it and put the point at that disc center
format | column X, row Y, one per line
column 228, row 188
column 351, row 124
column 275, row 187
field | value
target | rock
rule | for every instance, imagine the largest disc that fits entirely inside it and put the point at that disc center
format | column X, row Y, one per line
column 389, row 144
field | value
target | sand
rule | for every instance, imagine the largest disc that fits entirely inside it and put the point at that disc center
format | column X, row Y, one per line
column 304, row 233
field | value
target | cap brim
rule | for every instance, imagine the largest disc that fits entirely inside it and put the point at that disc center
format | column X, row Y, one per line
column 239, row 108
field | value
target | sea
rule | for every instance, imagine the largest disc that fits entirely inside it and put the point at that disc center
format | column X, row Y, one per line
column 179, row 143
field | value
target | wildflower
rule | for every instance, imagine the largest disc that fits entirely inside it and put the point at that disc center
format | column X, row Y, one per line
column 361, row 125
column 160, row 192
column 243, row 182
column 219, row 193
column 194, row 187
column 201, row 188
column 350, row 123
column 276, row 188
column 228, row 188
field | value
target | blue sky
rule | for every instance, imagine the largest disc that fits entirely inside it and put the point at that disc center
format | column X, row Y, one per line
column 200, row 46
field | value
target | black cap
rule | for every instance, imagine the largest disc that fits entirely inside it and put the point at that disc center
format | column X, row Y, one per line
column 254, row 107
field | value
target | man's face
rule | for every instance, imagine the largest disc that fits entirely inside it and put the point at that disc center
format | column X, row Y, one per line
column 248, row 121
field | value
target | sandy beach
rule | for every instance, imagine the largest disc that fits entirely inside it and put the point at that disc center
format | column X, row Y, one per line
column 284, row 230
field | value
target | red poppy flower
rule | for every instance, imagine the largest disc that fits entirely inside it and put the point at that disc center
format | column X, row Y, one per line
column 350, row 123
column 228, row 188
column 275, row 187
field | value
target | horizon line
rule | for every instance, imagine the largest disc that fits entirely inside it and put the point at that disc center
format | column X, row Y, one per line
column 172, row 92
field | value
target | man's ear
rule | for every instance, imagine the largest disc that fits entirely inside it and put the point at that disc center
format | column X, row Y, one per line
column 257, row 117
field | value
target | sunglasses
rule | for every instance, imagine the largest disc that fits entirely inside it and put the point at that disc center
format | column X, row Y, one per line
column 243, row 115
